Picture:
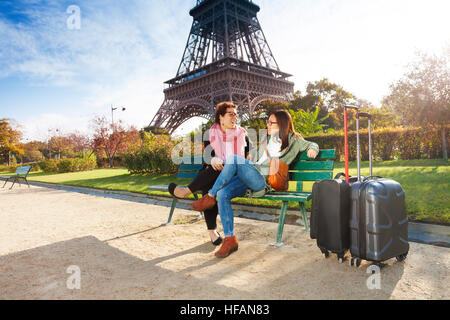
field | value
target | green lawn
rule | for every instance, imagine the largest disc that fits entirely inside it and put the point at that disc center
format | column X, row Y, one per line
column 426, row 184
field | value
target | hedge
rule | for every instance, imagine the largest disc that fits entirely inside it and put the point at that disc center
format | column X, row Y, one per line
column 387, row 143
column 13, row 167
column 153, row 162
column 68, row 165
column 153, row 156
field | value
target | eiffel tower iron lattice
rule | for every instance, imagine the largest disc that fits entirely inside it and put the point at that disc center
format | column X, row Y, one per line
column 227, row 58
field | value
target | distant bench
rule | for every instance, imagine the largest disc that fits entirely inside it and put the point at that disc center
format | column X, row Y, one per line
column 20, row 174
column 302, row 170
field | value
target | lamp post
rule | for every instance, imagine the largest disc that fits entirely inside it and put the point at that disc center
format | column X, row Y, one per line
column 112, row 112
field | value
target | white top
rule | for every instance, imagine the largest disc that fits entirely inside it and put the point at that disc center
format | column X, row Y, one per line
column 273, row 147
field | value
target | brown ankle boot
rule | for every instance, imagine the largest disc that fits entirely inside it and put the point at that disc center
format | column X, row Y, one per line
column 229, row 245
column 206, row 202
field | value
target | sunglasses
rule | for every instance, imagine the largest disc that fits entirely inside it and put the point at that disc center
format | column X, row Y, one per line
column 233, row 114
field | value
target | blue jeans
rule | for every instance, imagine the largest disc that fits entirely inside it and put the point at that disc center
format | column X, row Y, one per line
column 242, row 168
column 237, row 176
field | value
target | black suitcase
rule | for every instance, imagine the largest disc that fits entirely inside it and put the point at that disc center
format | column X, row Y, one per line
column 378, row 221
column 330, row 216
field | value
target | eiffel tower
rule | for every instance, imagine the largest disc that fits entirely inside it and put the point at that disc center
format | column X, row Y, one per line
column 227, row 58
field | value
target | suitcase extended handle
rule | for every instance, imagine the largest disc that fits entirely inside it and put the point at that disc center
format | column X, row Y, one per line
column 369, row 118
column 339, row 175
column 346, row 138
column 364, row 114
column 373, row 177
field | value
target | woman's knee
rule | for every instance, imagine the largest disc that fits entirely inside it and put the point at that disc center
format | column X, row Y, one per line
column 259, row 183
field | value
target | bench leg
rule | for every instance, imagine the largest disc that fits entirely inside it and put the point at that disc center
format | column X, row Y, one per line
column 283, row 211
column 5, row 182
column 27, row 182
column 304, row 215
column 172, row 209
column 13, row 184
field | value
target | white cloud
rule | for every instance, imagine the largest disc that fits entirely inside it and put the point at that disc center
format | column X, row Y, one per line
column 37, row 127
column 123, row 54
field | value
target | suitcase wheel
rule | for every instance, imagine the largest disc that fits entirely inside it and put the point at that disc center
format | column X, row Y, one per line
column 355, row 262
column 325, row 253
column 401, row 257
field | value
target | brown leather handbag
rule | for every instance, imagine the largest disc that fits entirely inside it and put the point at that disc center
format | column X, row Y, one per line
column 278, row 173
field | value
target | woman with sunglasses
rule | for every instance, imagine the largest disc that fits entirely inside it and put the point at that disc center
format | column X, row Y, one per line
column 226, row 138
column 240, row 174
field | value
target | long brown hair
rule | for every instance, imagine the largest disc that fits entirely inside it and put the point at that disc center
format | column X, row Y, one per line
column 286, row 126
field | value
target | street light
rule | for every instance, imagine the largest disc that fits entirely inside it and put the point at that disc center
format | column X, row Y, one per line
column 112, row 112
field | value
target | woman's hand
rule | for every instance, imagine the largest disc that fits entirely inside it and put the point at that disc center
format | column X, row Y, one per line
column 217, row 163
column 312, row 153
column 249, row 157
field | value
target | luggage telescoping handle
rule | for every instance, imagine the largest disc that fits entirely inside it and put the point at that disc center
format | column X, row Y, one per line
column 346, row 139
column 369, row 118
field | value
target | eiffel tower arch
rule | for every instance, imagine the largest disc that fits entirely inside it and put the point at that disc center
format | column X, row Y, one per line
column 226, row 58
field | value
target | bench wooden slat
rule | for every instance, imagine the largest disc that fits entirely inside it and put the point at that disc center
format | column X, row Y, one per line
column 313, row 165
column 324, row 154
column 190, row 167
column 310, row 176
column 24, row 169
column 192, row 160
column 300, row 197
column 158, row 188
column 189, row 174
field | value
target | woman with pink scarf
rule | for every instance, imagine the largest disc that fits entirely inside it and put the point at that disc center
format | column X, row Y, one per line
column 226, row 138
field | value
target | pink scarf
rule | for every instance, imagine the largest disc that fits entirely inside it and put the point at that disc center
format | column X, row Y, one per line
column 229, row 143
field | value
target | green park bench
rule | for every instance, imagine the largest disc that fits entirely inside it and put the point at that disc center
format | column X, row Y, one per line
column 302, row 170
column 188, row 169
column 20, row 174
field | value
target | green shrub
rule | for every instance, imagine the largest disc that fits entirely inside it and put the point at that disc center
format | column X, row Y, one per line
column 68, row 165
column 387, row 143
column 65, row 165
column 49, row 165
column 154, row 156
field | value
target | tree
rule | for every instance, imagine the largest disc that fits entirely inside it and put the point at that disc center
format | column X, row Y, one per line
column 9, row 141
column 81, row 144
column 113, row 138
column 307, row 123
column 326, row 95
column 59, row 145
column 32, row 151
column 422, row 96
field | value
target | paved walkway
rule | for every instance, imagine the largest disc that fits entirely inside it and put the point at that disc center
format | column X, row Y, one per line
column 120, row 251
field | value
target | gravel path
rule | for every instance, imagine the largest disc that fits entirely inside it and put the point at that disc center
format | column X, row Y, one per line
column 120, row 250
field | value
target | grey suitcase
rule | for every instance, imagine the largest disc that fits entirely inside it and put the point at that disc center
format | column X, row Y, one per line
column 378, row 221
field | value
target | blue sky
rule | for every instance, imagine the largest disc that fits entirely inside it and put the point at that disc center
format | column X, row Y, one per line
column 54, row 77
